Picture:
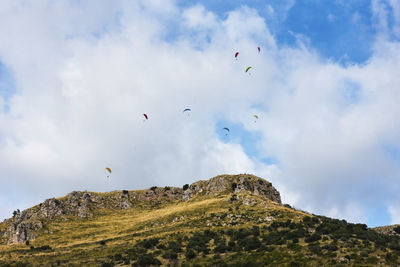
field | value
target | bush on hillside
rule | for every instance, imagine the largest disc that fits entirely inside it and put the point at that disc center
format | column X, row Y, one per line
column 147, row 260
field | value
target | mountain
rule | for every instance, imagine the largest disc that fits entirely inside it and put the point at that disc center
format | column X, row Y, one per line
column 229, row 220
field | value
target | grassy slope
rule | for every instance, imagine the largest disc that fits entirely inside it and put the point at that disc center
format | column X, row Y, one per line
column 176, row 227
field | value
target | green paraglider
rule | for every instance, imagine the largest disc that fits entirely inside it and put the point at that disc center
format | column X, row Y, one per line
column 248, row 68
column 255, row 116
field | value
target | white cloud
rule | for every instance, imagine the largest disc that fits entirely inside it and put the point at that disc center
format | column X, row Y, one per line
column 198, row 17
column 395, row 214
column 84, row 78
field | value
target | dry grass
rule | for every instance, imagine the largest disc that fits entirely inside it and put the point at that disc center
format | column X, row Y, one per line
column 76, row 240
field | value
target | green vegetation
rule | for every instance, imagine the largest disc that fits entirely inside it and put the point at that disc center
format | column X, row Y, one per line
column 205, row 231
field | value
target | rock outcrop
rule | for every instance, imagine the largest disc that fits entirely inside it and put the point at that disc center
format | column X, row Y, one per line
column 234, row 184
column 25, row 225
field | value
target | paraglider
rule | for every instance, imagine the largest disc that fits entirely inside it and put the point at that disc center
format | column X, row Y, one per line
column 259, row 49
column 248, row 68
column 109, row 171
column 226, row 129
column 187, row 110
column 145, row 116
column 236, row 54
column 255, row 116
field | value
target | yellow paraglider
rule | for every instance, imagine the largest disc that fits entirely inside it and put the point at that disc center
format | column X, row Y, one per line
column 109, row 170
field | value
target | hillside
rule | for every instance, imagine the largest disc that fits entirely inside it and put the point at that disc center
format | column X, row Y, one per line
column 229, row 220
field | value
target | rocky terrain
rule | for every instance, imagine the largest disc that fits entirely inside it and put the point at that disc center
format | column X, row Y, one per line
column 25, row 225
column 393, row 230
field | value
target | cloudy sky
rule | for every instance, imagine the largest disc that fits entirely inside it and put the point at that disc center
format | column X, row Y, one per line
column 76, row 77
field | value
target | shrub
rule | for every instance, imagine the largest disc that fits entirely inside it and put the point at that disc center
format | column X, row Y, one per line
column 312, row 238
column 256, row 231
column 147, row 260
column 125, row 192
column 295, row 264
column 241, row 234
column 174, row 246
column 249, row 243
column 153, row 188
column 231, row 245
column 107, row 264
column 234, row 186
column 372, row 260
column 293, row 246
column 45, row 247
column 185, row 187
column 149, row 243
column 221, row 246
column 331, row 247
column 390, row 257
column 272, row 238
column 190, row 254
column 169, row 254
column 315, row 248
column 135, row 252
column 397, row 229
column 117, row 257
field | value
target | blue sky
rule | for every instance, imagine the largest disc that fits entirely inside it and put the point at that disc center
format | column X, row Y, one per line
column 324, row 87
column 339, row 30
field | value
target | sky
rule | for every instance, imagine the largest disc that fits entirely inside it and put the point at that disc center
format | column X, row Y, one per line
column 76, row 77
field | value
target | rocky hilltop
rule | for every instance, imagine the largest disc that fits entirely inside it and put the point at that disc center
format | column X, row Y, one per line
column 25, row 225
column 393, row 230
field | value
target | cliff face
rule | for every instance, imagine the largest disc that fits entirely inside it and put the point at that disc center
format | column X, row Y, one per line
column 25, row 225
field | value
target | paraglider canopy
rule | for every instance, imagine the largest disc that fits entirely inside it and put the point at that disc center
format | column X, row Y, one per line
column 236, row 54
column 259, row 49
column 247, row 69
column 255, row 116
column 226, row 129
column 108, row 170
column 186, row 109
column 145, row 115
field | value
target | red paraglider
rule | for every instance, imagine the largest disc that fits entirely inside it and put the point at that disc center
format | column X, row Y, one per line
column 145, row 115
column 236, row 54
column 259, row 49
